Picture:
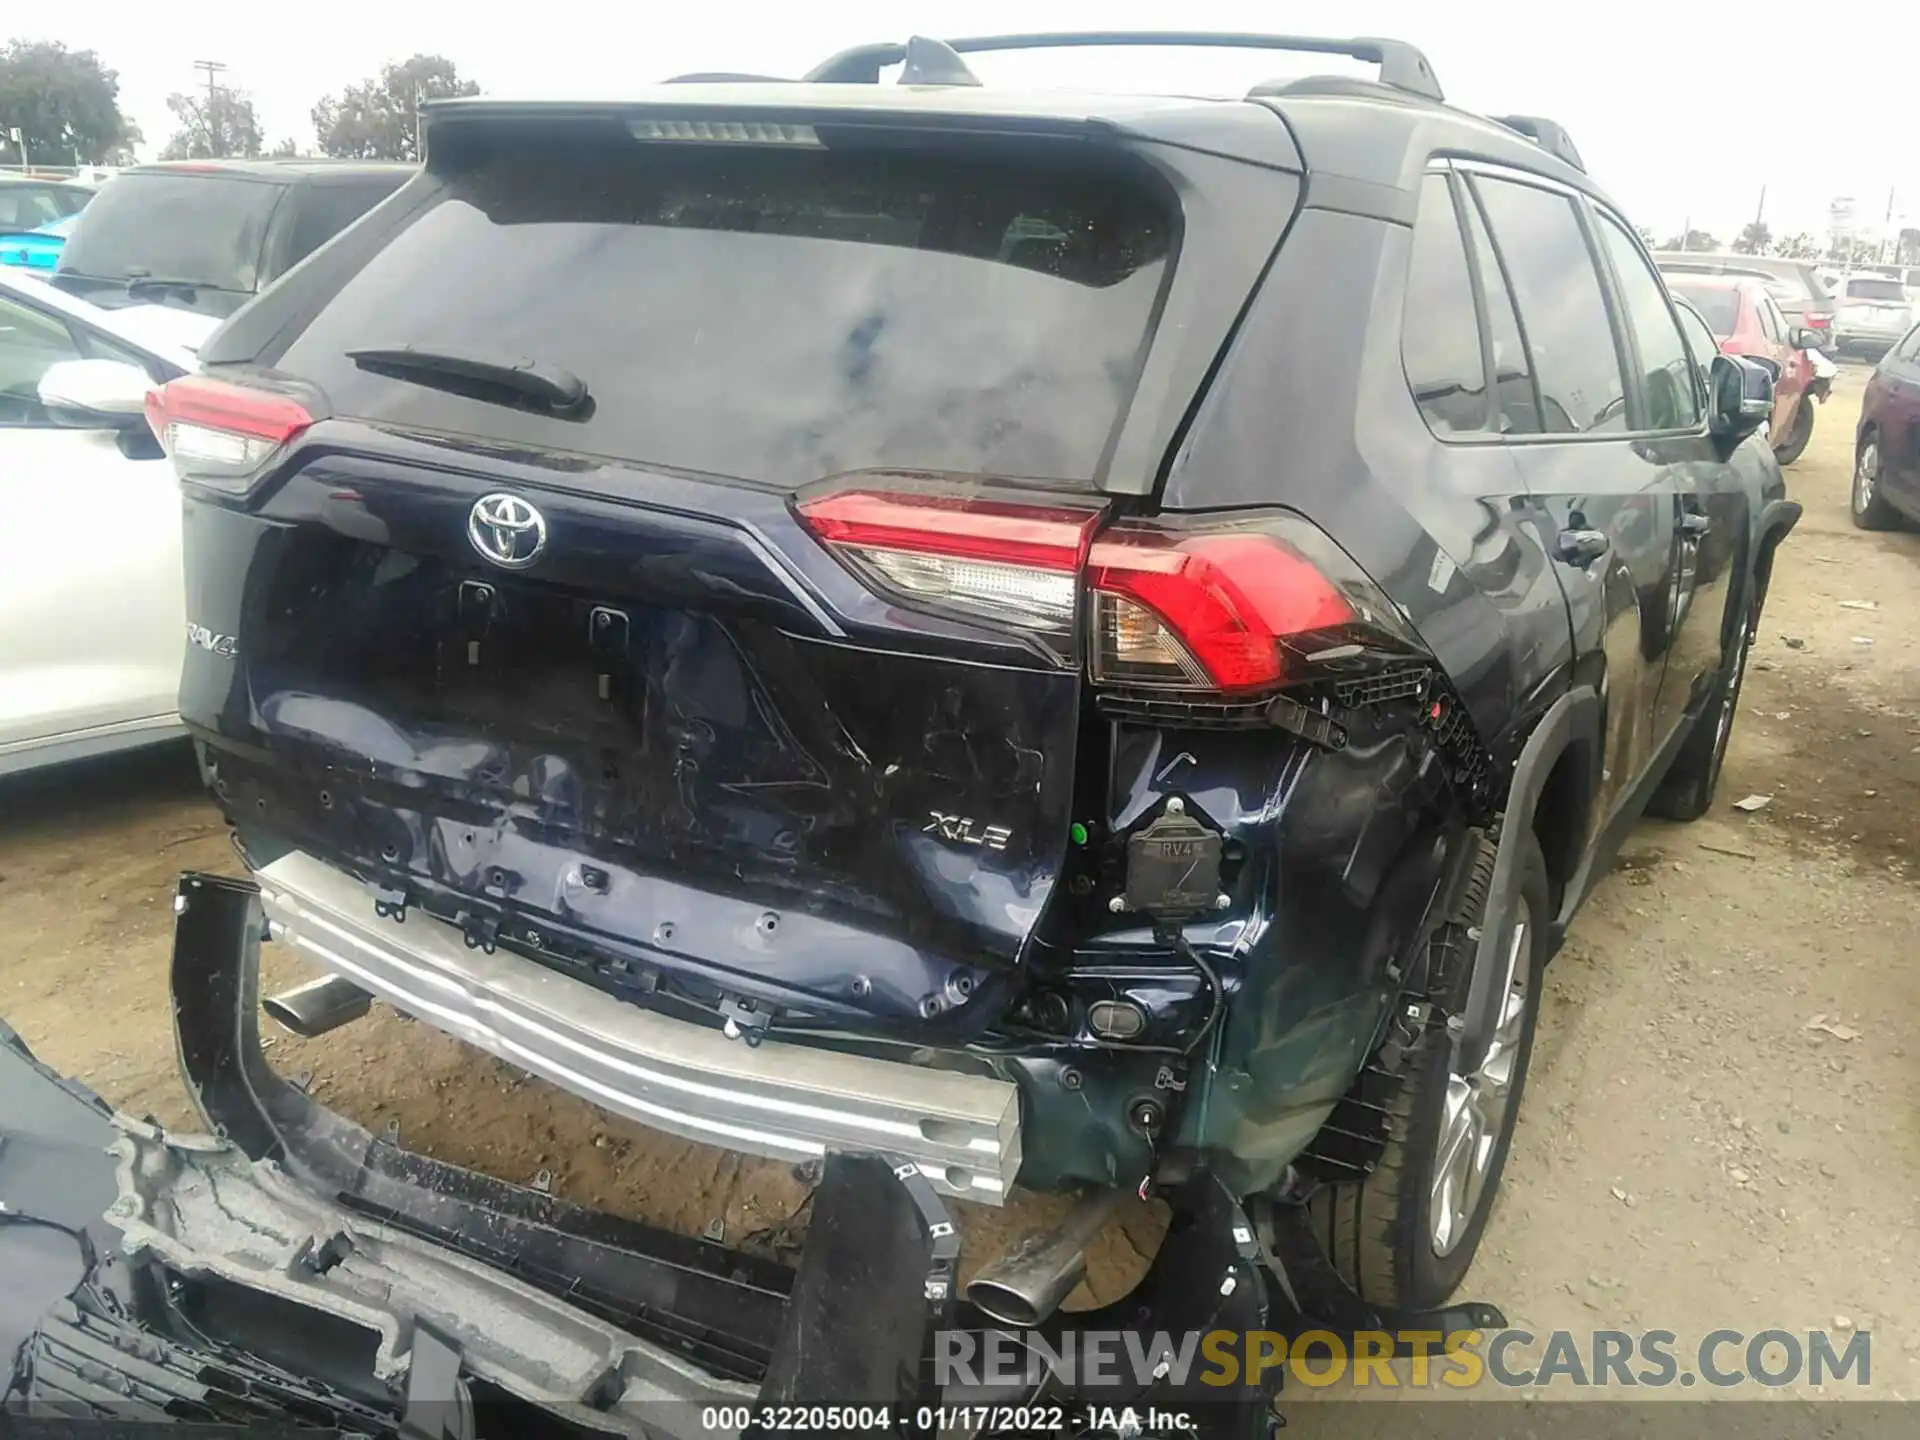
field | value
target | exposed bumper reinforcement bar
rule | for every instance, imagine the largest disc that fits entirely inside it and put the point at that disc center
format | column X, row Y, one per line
column 687, row 1321
column 788, row 1102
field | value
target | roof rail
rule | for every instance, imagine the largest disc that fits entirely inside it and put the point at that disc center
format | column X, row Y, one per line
column 1545, row 133
column 1402, row 66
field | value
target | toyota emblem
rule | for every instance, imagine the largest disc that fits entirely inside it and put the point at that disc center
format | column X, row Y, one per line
column 507, row 530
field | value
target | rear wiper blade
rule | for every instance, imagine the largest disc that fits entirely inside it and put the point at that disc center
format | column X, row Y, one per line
column 478, row 377
column 140, row 280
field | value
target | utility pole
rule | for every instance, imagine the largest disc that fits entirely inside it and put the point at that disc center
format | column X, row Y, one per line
column 1888, row 231
column 419, row 99
column 213, row 68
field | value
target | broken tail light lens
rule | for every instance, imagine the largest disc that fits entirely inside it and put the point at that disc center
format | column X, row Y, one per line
column 1241, row 608
column 987, row 558
column 220, row 434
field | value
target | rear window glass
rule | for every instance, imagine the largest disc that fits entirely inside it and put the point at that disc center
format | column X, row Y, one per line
column 194, row 226
column 1718, row 305
column 325, row 210
column 777, row 314
column 1877, row 290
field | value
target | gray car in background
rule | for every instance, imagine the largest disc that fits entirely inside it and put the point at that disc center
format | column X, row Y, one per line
column 1795, row 285
column 1874, row 311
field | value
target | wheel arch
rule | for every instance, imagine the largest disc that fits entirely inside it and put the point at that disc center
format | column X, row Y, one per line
column 1776, row 520
column 1554, row 780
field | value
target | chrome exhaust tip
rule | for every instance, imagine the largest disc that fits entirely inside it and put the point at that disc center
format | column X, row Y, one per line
column 318, row 1006
column 1026, row 1285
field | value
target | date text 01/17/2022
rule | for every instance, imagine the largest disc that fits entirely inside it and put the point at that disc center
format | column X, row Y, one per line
column 997, row 1419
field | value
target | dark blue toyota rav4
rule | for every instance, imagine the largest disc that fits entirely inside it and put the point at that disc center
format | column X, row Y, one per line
column 1087, row 642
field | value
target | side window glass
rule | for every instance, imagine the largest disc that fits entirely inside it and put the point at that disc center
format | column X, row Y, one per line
column 1699, row 339
column 1557, row 290
column 1514, row 396
column 1668, row 378
column 1769, row 324
column 30, row 344
column 326, row 210
column 101, row 347
column 1440, row 336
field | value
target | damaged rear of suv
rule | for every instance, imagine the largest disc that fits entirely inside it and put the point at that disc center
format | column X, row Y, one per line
column 909, row 620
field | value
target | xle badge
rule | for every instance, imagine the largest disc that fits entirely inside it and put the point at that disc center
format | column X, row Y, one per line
column 964, row 830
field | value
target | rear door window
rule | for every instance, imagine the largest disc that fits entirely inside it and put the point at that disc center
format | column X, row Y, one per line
column 1515, row 398
column 776, row 313
column 1666, row 369
column 196, row 226
column 1440, row 334
column 1557, row 290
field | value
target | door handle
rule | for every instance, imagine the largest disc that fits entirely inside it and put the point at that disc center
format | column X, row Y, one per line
column 1695, row 525
column 1582, row 547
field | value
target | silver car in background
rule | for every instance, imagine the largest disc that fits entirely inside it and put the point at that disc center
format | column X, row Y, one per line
column 1872, row 312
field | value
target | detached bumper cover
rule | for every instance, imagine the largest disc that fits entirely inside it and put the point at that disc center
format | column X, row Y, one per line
column 789, row 1102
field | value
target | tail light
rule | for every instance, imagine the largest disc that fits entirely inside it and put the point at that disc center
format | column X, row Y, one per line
column 1817, row 321
column 221, row 434
column 1241, row 608
column 988, row 559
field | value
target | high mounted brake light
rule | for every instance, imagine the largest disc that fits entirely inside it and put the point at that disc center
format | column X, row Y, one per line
column 1241, row 608
column 220, row 434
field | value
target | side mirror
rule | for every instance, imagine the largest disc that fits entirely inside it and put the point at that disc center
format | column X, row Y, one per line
column 1740, row 395
column 92, row 394
column 1805, row 337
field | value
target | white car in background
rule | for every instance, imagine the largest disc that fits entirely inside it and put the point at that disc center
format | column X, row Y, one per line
column 1870, row 311
column 92, row 609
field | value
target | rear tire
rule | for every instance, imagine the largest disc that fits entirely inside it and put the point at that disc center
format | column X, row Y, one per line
column 1801, row 433
column 1686, row 792
column 1402, row 1239
column 1870, row 508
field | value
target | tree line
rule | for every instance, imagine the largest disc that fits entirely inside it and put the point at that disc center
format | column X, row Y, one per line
column 1757, row 238
column 66, row 104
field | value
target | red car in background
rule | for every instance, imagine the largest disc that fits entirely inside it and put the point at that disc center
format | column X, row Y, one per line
column 1746, row 321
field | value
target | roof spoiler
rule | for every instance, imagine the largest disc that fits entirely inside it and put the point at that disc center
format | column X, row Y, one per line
column 1547, row 134
column 1402, row 66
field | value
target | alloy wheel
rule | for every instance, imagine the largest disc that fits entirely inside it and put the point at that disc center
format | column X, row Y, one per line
column 1866, row 476
column 1730, row 697
column 1479, row 1107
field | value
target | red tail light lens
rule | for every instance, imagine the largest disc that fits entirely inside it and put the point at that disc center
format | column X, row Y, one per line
column 983, row 557
column 1240, row 608
column 221, row 434
column 1212, row 610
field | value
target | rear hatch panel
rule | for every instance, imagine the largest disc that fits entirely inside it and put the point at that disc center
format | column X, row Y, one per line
column 693, row 741
column 686, row 744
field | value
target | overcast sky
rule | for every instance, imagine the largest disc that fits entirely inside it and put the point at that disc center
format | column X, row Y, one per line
column 1680, row 110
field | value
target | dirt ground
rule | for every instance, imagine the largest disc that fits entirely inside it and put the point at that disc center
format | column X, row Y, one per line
column 1722, row 1126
